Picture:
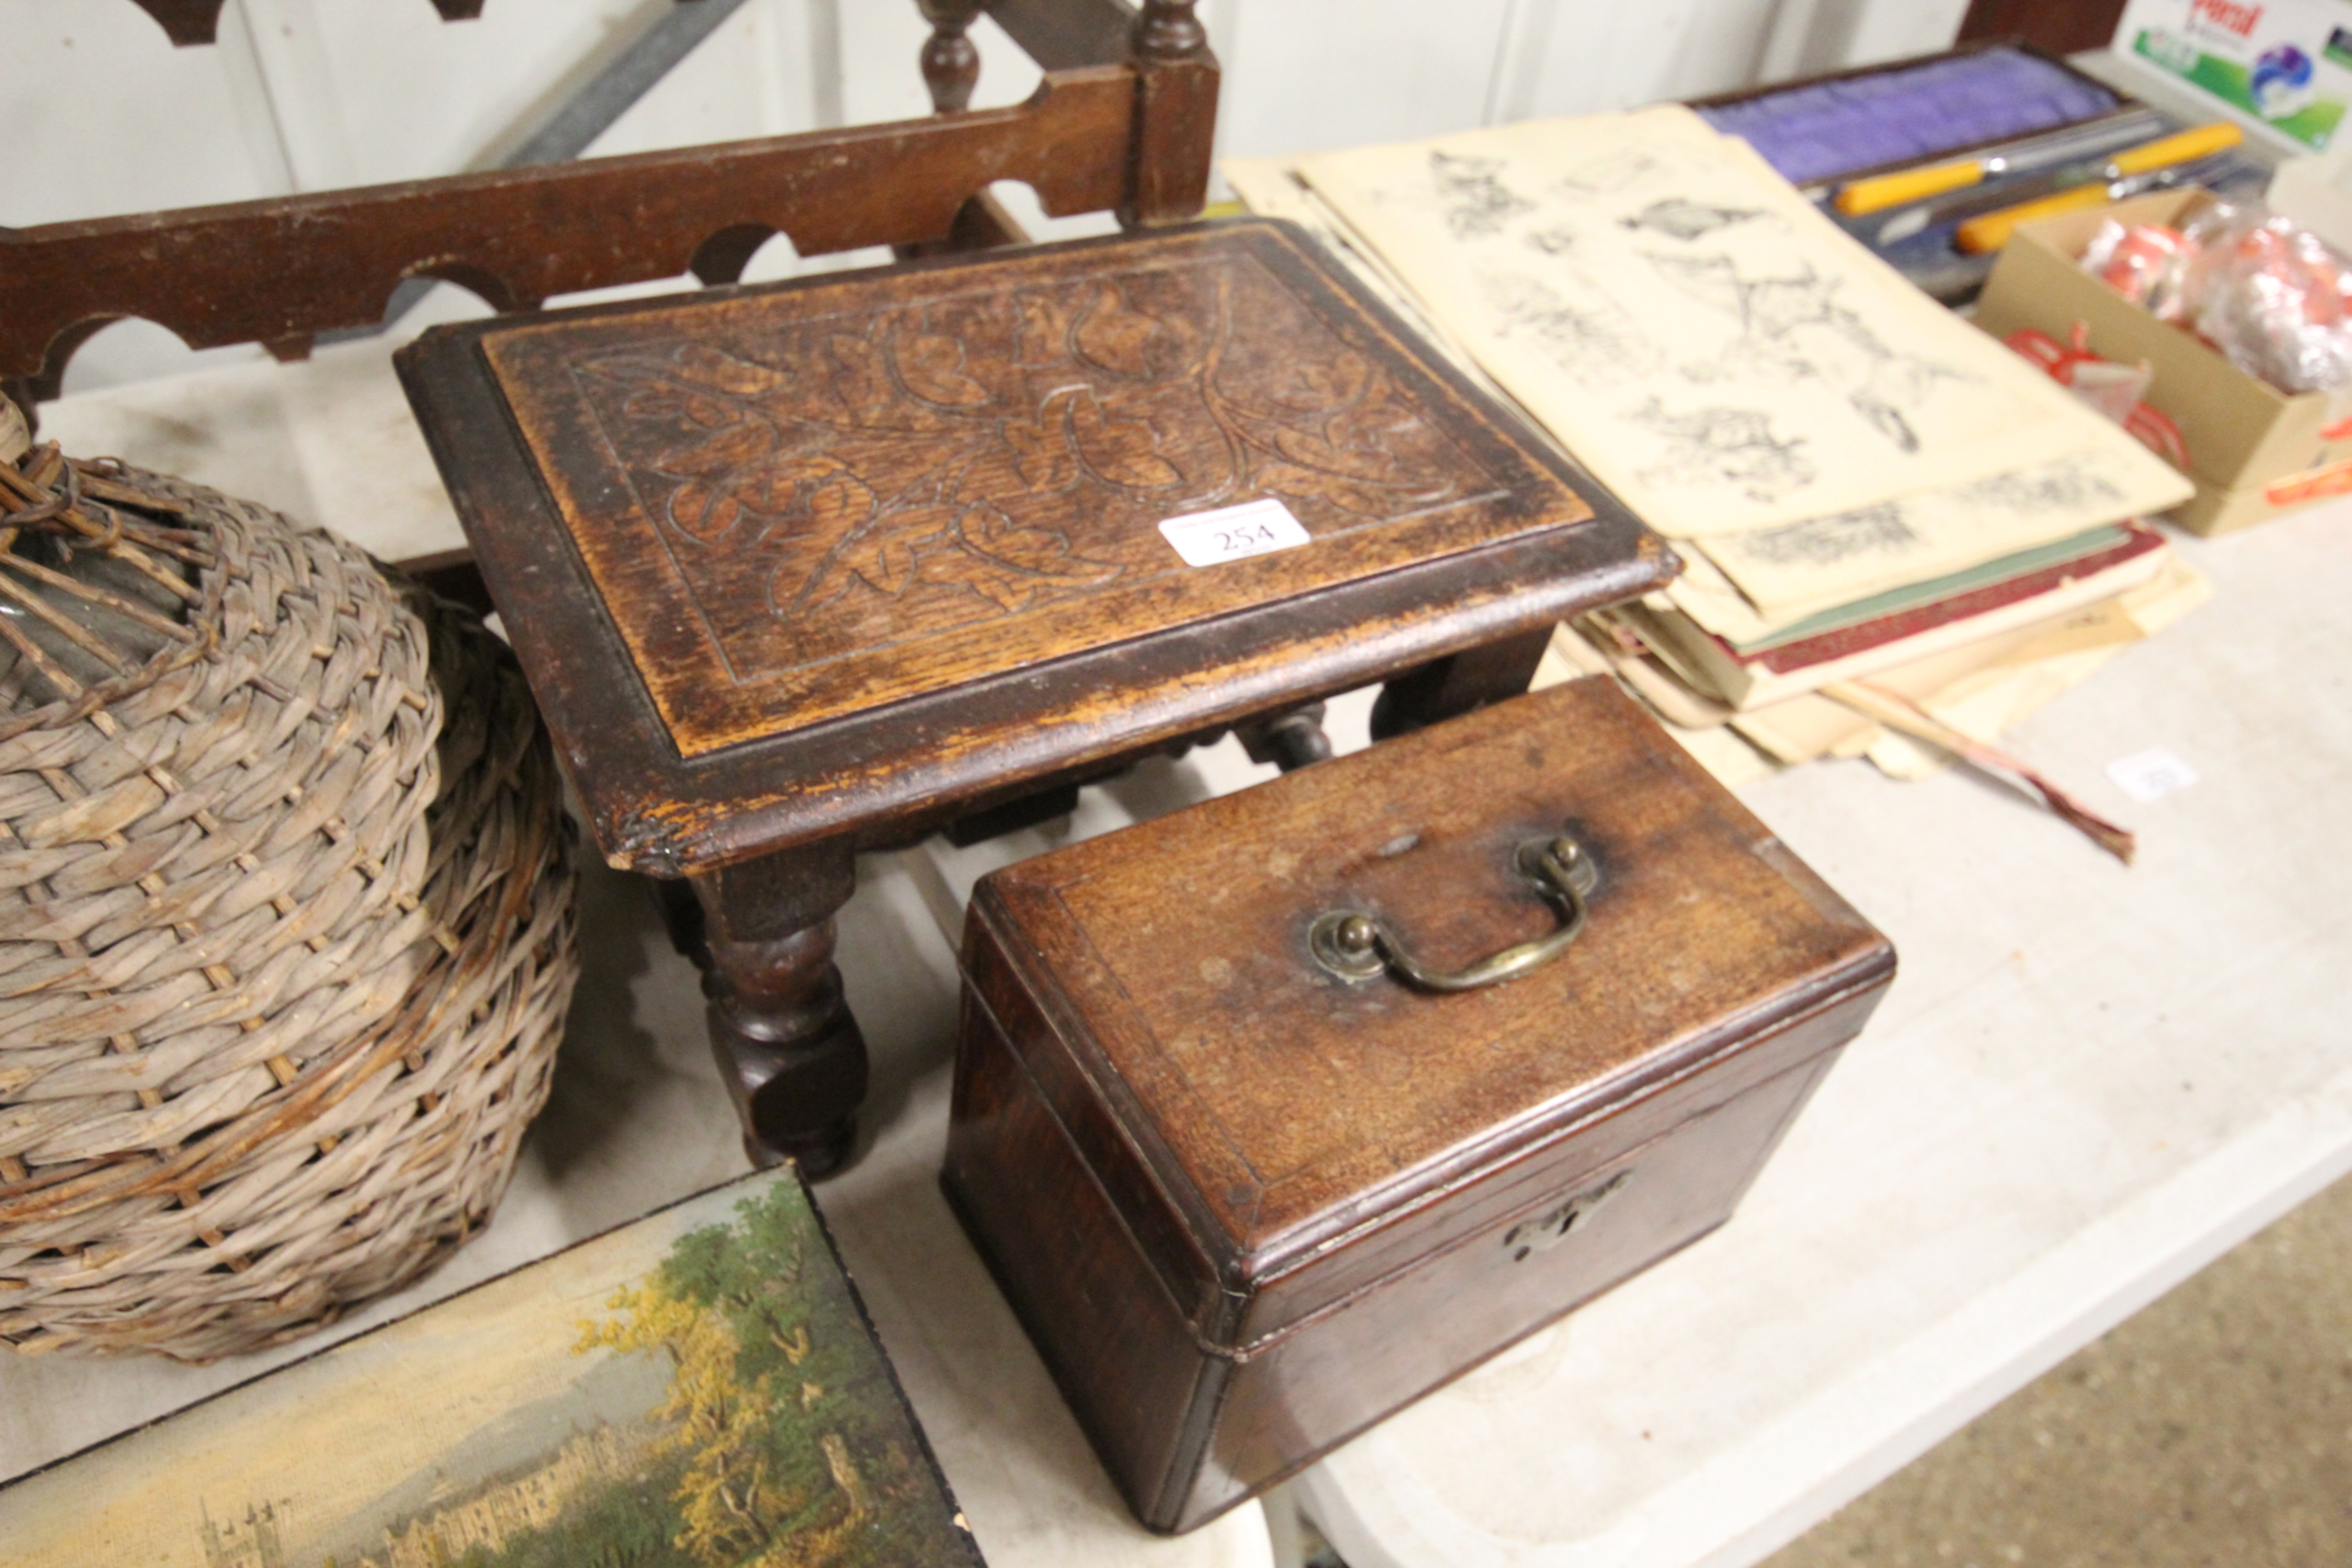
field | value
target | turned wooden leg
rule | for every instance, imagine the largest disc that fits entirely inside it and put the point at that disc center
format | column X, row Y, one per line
column 1458, row 683
column 682, row 918
column 789, row 1053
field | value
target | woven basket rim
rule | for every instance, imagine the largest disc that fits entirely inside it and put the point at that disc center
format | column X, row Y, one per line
column 120, row 487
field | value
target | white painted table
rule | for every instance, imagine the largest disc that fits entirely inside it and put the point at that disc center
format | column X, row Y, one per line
column 2088, row 1082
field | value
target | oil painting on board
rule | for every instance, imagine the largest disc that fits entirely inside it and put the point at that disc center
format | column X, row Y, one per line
column 700, row 1389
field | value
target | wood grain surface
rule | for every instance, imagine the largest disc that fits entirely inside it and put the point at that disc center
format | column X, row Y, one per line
column 1196, row 1161
column 799, row 502
column 1179, row 949
column 852, row 553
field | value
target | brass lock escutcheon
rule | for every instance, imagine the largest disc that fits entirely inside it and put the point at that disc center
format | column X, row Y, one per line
column 1357, row 946
column 1549, row 1228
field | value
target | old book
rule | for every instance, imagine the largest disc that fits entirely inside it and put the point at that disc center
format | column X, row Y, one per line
column 1719, row 353
column 1902, row 627
column 698, row 1388
column 1797, row 569
column 1985, row 687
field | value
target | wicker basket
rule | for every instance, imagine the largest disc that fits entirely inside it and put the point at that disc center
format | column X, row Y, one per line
column 284, row 956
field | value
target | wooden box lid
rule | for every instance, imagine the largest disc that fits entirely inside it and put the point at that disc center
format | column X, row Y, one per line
column 1162, row 975
column 751, row 517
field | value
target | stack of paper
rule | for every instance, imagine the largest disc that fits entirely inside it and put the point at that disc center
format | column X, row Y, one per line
column 1865, row 488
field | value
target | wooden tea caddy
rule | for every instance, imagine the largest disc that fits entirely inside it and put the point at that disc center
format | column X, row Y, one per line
column 810, row 569
column 1249, row 1190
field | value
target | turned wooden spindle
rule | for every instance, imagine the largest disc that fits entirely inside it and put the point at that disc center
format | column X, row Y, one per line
column 1167, row 30
column 950, row 60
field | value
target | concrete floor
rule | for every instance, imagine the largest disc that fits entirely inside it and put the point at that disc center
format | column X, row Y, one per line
column 2213, row 1430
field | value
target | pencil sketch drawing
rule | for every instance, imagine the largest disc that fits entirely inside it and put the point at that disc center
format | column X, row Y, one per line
column 1705, row 340
column 1879, row 529
column 1723, row 446
column 1475, row 201
column 1591, row 337
column 1794, row 329
column 2063, row 486
column 1679, row 217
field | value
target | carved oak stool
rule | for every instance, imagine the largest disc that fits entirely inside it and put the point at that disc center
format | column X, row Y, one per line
column 802, row 570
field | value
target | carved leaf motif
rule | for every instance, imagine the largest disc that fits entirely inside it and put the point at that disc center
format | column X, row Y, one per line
column 723, row 372
column 1044, row 550
column 931, row 365
column 711, row 413
column 1363, row 454
column 837, row 529
column 1315, row 387
column 862, row 382
column 703, row 511
column 891, row 564
column 1315, row 451
column 815, row 499
column 682, row 388
column 864, row 389
column 1041, row 447
column 1380, row 423
column 668, row 403
column 960, row 566
column 1009, row 565
column 730, row 447
column 777, row 487
column 1121, row 451
column 1116, row 338
column 877, row 543
column 1043, row 332
column 838, row 503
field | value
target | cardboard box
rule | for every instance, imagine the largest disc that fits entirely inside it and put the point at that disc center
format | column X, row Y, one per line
column 2254, row 451
column 2215, row 510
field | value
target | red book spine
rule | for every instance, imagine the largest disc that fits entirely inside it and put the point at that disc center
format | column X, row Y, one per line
column 1867, row 634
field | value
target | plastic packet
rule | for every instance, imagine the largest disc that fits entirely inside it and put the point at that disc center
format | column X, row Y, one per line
column 2273, row 297
column 2148, row 264
column 2114, row 390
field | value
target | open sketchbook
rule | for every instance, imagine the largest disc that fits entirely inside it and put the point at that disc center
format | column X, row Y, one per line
column 1740, row 371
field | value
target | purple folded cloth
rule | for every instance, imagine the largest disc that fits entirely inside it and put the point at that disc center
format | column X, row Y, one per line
column 1831, row 127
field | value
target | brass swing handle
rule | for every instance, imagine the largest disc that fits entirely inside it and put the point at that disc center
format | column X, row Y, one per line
column 1356, row 946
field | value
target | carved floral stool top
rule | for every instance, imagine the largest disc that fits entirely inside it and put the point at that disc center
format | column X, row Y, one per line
column 803, row 569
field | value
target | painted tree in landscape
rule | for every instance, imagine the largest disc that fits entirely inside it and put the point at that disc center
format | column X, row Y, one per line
column 793, row 1448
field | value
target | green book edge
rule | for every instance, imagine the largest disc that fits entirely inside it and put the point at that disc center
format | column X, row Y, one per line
column 1894, row 601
